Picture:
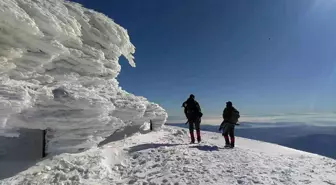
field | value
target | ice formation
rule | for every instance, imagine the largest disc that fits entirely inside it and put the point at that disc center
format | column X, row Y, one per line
column 58, row 69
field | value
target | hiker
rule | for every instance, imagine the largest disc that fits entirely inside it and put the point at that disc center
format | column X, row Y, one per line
column 230, row 116
column 192, row 111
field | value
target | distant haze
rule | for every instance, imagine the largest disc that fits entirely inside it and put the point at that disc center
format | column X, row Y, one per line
column 311, row 119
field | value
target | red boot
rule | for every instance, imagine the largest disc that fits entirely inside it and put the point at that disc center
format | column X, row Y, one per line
column 227, row 141
column 198, row 133
column 232, row 142
column 192, row 137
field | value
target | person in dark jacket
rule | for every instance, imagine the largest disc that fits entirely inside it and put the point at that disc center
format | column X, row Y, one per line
column 192, row 111
column 230, row 116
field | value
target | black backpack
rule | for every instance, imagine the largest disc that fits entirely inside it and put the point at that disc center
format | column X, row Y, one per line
column 192, row 105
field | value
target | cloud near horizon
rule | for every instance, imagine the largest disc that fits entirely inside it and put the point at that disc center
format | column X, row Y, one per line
column 309, row 118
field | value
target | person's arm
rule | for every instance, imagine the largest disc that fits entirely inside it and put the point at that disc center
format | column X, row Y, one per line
column 185, row 108
column 198, row 107
column 237, row 112
column 224, row 113
column 221, row 126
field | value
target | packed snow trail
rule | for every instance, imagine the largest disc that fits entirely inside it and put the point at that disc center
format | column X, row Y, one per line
column 163, row 157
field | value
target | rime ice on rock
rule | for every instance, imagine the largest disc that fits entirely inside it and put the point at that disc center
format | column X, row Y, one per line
column 58, row 69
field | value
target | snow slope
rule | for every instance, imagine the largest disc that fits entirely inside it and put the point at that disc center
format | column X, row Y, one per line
column 58, row 69
column 163, row 157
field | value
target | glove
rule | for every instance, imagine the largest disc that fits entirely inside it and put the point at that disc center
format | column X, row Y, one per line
column 220, row 128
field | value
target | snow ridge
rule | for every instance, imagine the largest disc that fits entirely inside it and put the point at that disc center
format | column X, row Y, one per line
column 58, row 69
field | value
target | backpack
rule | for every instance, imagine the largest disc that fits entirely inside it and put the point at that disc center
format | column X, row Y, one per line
column 191, row 106
column 234, row 117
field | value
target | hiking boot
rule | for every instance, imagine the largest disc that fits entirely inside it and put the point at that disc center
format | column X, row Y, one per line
column 227, row 146
column 192, row 142
column 192, row 137
column 232, row 142
column 198, row 134
column 232, row 145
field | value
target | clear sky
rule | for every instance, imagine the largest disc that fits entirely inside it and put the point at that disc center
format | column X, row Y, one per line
column 267, row 57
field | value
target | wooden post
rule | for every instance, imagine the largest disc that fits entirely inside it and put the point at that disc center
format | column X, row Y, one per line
column 44, row 143
column 151, row 125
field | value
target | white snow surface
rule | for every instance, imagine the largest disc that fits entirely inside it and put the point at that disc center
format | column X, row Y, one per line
column 163, row 157
column 58, row 69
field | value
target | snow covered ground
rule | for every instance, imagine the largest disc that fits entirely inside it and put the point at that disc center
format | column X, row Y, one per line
column 164, row 157
column 315, row 139
column 58, row 67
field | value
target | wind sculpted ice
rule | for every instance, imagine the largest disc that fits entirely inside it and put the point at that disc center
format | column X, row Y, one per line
column 58, row 69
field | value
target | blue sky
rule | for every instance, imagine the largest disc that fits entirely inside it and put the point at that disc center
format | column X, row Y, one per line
column 267, row 57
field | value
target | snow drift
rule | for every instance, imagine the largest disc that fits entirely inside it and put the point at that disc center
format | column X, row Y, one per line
column 163, row 157
column 58, row 69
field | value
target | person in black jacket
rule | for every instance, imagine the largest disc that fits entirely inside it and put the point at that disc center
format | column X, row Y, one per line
column 192, row 111
column 230, row 116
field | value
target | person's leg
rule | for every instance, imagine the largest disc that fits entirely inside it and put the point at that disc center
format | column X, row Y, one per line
column 232, row 137
column 226, row 134
column 191, row 130
column 198, row 129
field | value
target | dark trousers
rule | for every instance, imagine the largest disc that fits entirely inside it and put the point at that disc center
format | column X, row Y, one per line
column 228, row 130
column 194, row 123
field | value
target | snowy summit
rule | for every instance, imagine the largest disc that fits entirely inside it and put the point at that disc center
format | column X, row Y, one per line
column 163, row 157
column 58, row 69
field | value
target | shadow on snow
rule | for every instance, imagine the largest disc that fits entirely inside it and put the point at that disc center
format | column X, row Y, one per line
column 205, row 148
column 150, row 146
